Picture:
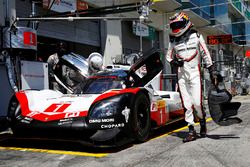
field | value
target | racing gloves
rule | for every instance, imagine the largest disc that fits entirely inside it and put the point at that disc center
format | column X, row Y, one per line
column 177, row 62
column 213, row 75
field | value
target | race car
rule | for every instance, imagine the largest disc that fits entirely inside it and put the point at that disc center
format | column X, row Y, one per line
column 106, row 107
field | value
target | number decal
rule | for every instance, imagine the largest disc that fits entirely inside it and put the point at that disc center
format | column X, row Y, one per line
column 70, row 115
column 57, row 107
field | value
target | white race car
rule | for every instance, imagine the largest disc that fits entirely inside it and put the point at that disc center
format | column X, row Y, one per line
column 105, row 108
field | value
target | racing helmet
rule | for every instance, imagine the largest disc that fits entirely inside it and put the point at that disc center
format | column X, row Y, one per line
column 179, row 24
column 95, row 61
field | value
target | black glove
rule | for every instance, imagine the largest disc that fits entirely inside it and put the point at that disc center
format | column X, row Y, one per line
column 177, row 62
column 213, row 75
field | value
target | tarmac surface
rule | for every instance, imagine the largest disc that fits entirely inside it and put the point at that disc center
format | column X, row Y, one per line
column 225, row 146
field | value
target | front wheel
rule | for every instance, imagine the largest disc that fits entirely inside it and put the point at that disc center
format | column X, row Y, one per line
column 14, row 112
column 140, row 118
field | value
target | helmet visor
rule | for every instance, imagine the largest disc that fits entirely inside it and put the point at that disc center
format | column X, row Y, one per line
column 178, row 25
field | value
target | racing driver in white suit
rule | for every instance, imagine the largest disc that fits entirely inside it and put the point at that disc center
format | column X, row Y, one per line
column 186, row 48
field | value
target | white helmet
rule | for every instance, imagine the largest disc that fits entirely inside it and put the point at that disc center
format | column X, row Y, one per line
column 179, row 24
column 95, row 62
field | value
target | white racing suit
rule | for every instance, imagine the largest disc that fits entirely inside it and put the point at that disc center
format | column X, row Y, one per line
column 190, row 47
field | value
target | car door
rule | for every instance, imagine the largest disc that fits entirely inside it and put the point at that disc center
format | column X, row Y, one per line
column 145, row 68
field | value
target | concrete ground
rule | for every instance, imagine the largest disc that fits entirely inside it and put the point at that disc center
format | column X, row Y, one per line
column 225, row 146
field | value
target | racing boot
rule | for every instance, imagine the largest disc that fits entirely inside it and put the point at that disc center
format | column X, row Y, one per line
column 191, row 134
column 203, row 129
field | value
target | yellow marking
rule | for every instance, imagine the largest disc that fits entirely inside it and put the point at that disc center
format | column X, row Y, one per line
column 97, row 155
column 175, row 120
column 177, row 130
column 161, row 103
column 157, row 0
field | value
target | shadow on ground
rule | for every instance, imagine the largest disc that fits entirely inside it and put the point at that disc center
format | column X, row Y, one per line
column 182, row 135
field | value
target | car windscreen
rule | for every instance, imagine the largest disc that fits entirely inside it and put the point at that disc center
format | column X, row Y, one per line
column 98, row 85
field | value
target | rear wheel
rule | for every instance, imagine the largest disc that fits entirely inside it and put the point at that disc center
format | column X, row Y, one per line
column 140, row 118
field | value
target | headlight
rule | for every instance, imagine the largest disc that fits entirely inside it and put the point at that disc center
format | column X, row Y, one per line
column 105, row 108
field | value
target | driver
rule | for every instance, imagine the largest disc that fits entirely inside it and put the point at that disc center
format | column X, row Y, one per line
column 185, row 49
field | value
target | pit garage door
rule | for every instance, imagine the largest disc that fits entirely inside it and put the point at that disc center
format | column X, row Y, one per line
column 83, row 32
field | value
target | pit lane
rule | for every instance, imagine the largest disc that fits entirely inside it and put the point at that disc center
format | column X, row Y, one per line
column 79, row 149
column 224, row 146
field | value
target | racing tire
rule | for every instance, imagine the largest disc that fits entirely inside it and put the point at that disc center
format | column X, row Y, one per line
column 140, row 118
column 13, row 113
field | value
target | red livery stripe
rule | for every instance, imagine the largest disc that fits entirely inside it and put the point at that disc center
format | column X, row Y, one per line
column 56, row 109
column 116, row 92
column 188, row 59
column 22, row 98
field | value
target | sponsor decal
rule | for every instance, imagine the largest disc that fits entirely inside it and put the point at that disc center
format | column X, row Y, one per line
column 161, row 114
column 154, row 106
column 29, row 38
column 65, row 5
column 81, row 5
column 126, row 112
column 161, row 104
column 101, row 120
column 65, row 121
column 87, row 95
column 110, row 126
column 73, row 114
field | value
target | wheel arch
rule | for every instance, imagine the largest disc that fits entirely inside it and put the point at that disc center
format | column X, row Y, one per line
column 12, row 99
column 145, row 92
column 12, row 106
